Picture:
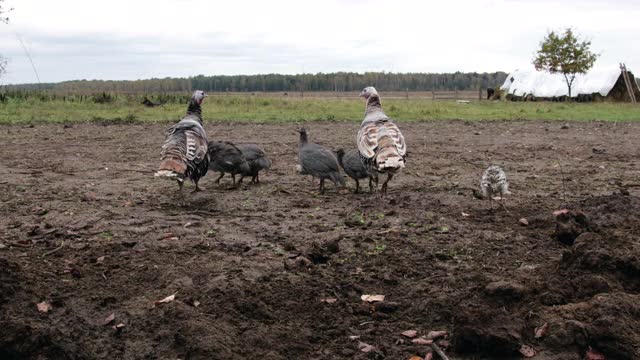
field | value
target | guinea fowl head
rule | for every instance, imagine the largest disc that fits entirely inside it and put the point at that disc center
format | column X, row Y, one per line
column 340, row 154
column 303, row 136
column 368, row 91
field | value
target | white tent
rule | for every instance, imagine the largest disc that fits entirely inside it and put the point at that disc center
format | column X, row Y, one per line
column 545, row 85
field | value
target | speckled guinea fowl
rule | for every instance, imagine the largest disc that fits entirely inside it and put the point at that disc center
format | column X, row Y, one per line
column 184, row 152
column 380, row 142
column 351, row 163
column 318, row 161
column 226, row 157
column 257, row 160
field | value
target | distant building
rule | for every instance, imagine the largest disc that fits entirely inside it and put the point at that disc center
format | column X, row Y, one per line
column 605, row 84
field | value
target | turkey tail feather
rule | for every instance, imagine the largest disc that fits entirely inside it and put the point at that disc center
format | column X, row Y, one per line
column 388, row 157
column 172, row 168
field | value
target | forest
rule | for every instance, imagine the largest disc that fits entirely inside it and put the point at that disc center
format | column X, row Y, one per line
column 340, row 81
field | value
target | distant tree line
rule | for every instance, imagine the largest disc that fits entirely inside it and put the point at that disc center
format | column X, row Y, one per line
column 341, row 81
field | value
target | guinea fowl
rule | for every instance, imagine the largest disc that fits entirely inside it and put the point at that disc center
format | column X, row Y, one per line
column 380, row 142
column 494, row 182
column 257, row 160
column 318, row 162
column 353, row 166
column 184, row 152
column 225, row 157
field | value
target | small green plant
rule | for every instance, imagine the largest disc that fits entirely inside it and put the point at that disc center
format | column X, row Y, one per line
column 358, row 217
column 211, row 233
column 378, row 248
column 107, row 235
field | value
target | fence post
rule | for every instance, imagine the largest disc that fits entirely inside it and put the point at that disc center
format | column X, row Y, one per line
column 480, row 93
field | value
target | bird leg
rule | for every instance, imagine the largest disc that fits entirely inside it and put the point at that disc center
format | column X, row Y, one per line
column 321, row 185
column 256, row 179
column 180, row 185
column 384, row 185
column 197, row 189
column 219, row 177
column 503, row 203
column 357, row 186
column 240, row 180
column 233, row 178
column 373, row 181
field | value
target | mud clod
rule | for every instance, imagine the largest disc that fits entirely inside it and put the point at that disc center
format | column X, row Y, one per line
column 570, row 225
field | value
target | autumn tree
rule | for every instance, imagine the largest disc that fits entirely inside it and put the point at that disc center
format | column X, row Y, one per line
column 565, row 54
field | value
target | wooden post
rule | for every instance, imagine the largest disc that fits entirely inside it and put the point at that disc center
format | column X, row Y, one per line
column 627, row 82
column 480, row 93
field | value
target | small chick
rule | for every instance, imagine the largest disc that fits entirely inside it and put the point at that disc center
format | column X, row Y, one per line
column 493, row 183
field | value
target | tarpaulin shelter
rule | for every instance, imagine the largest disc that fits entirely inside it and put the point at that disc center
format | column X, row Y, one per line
column 597, row 84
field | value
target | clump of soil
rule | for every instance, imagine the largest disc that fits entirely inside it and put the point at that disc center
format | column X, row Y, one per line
column 569, row 225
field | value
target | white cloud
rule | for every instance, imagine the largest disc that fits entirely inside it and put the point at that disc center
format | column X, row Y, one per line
column 71, row 39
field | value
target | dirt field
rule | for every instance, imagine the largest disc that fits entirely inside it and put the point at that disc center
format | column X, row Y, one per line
column 85, row 227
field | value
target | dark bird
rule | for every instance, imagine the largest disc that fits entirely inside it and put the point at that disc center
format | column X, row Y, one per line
column 493, row 182
column 351, row 163
column 318, row 162
column 184, row 152
column 257, row 160
column 225, row 157
column 148, row 103
column 380, row 142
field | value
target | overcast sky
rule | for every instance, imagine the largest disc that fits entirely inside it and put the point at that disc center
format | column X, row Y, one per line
column 137, row 39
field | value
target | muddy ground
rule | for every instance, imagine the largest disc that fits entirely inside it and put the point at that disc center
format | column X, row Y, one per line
column 86, row 228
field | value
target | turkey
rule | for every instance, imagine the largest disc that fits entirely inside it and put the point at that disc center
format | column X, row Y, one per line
column 352, row 165
column 257, row 160
column 318, row 162
column 184, row 152
column 380, row 142
column 225, row 157
column 494, row 182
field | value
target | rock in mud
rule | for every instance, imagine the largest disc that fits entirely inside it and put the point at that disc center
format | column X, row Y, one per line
column 298, row 262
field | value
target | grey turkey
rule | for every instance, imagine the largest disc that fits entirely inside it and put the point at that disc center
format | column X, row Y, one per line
column 318, row 161
column 380, row 142
column 493, row 182
column 257, row 160
column 351, row 163
column 184, row 152
column 226, row 157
